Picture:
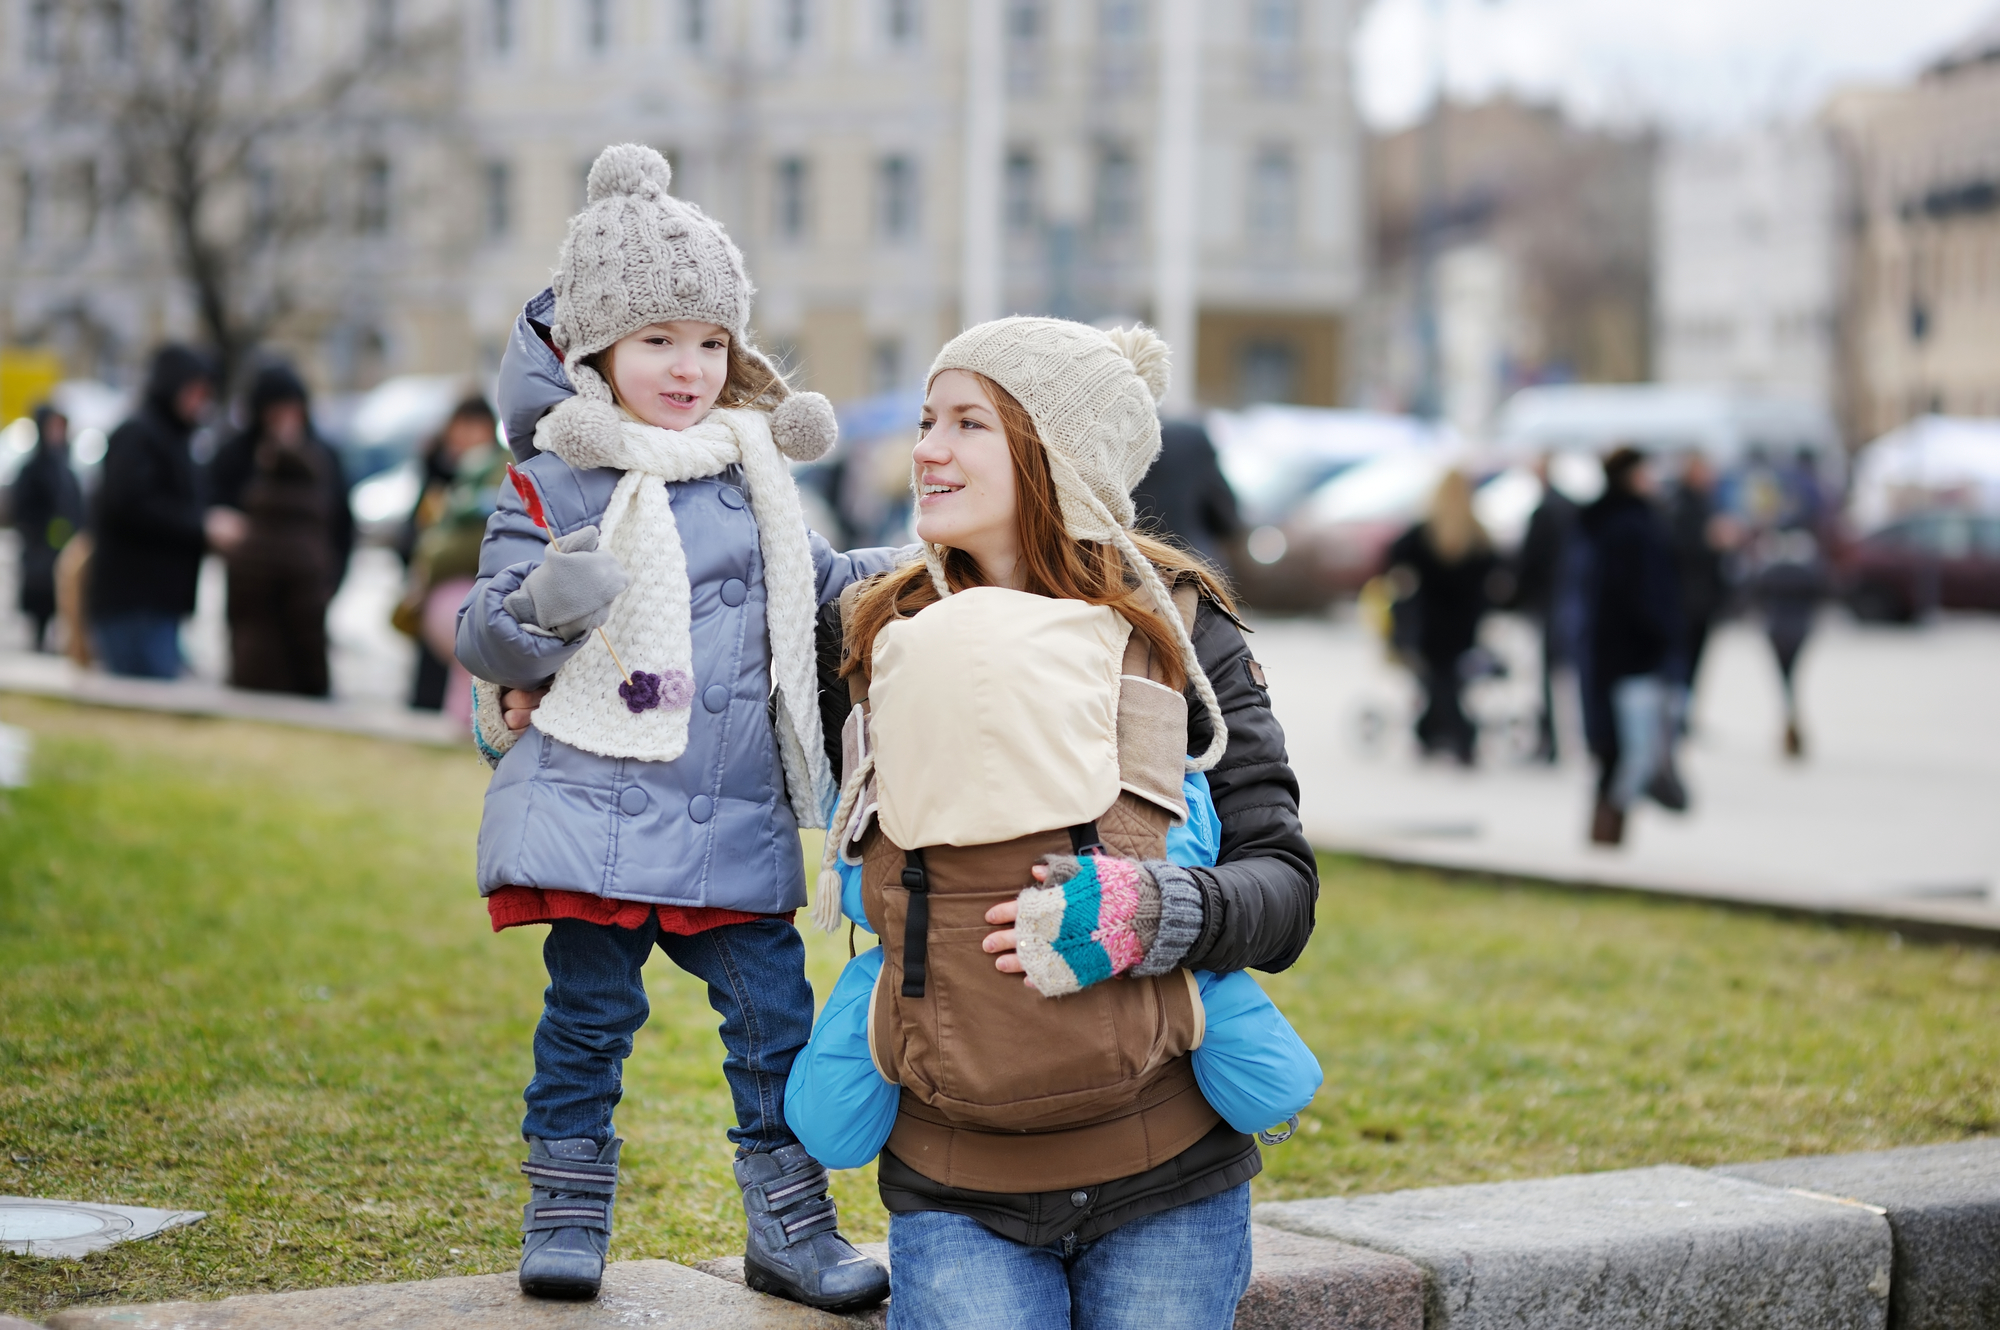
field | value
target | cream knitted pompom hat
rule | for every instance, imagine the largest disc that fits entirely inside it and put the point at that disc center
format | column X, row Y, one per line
column 1094, row 397
column 636, row 255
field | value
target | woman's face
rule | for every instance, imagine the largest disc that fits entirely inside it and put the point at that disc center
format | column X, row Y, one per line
column 669, row 374
column 965, row 476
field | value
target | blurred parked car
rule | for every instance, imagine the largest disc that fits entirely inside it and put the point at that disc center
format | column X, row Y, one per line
column 1921, row 563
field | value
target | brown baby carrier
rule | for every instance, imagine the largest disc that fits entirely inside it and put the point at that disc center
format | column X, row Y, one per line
column 1003, row 727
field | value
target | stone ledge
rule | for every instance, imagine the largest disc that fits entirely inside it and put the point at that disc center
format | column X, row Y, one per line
column 655, row 1294
column 1296, row 1283
column 1943, row 1207
column 16, row 1323
column 1657, row 1247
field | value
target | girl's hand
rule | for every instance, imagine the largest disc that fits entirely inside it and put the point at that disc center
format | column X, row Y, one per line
column 517, row 706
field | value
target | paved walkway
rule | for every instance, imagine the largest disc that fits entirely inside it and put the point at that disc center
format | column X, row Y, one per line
column 1891, row 815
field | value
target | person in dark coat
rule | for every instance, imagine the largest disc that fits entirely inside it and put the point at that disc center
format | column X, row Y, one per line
column 47, row 504
column 1631, row 622
column 278, row 489
column 1544, row 590
column 148, row 521
column 1789, row 583
column 1698, row 562
column 1447, row 564
column 1185, row 495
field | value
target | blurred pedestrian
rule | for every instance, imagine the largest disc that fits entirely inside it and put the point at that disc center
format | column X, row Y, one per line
column 1442, row 568
column 451, row 521
column 148, row 521
column 1186, row 496
column 466, row 447
column 1631, row 618
column 279, row 515
column 47, row 507
column 1700, row 545
column 1789, row 582
column 1545, row 591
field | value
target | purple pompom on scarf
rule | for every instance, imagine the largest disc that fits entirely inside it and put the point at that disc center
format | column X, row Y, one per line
column 672, row 690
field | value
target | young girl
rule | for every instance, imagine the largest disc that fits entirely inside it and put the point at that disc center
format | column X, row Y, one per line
column 1025, row 701
column 657, row 797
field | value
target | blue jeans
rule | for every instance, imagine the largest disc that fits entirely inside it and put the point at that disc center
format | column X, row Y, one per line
column 1180, row 1269
column 141, row 646
column 1640, row 704
column 596, row 1002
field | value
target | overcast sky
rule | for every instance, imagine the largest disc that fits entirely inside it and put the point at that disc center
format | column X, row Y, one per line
column 1693, row 64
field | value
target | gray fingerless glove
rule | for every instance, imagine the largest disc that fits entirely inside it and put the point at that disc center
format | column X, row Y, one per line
column 571, row 592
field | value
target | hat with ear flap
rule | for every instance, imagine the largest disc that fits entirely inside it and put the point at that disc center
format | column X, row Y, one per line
column 1094, row 397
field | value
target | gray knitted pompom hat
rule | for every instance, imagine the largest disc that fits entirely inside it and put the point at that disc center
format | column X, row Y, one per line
column 1094, row 397
column 635, row 256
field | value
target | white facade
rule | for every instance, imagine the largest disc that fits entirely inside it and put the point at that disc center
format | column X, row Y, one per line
column 1747, row 261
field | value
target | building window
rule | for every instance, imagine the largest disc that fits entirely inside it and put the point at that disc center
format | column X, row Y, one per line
column 1274, row 45
column 1023, row 202
column 899, row 21
column 1116, row 205
column 184, row 28
column 264, row 32
column 1267, row 372
column 597, row 25
column 42, row 34
column 793, row 217
column 795, row 22
column 500, row 25
column 116, row 18
column 1027, row 23
column 499, row 200
column 885, row 364
column 372, row 217
column 27, row 196
column 1121, row 32
column 896, row 198
column 1273, row 195
column 381, row 26
column 694, row 23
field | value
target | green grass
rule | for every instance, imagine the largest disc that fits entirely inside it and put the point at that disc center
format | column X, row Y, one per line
column 243, row 970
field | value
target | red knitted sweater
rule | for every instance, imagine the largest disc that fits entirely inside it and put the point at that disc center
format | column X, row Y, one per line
column 510, row 907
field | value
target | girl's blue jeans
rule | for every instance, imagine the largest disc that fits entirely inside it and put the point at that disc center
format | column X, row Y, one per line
column 596, row 1002
column 1180, row 1269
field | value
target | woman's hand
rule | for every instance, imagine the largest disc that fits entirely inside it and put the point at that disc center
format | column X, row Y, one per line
column 1001, row 945
column 517, row 706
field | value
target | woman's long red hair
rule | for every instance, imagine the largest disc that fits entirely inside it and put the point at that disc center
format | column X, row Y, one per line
column 1052, row 563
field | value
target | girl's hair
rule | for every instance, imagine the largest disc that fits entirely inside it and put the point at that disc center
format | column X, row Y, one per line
column 1452, row 528
column 1054, row 564
column 752, row 380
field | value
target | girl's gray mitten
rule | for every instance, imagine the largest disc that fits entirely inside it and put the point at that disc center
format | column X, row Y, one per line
column 571, row 591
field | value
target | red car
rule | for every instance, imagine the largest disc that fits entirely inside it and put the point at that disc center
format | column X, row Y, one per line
column 1924, row 562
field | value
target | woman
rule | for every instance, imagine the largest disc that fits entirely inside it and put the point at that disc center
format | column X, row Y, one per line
column 1035, row 431
column 1131, row 1206
column 440, row 544
column 48, row 511
column 282, row 522
column 1443, row 565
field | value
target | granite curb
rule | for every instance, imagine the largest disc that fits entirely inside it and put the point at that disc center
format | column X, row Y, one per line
column 1666, row 1247
column 1942, row 1203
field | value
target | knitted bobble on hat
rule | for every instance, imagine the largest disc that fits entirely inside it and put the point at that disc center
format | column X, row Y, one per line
column 628, row 168
column 804, row 427
column 1151, row 360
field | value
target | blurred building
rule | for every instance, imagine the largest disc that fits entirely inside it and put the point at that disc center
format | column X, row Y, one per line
column 1923, row 311
column 1746, row 281
column 891, row 168
column 1542, row 233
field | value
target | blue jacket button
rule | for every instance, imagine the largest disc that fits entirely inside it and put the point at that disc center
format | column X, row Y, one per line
column 701, row 808
column 715, row 697
column 632, row 801
column 732, row 497
column 734, row 591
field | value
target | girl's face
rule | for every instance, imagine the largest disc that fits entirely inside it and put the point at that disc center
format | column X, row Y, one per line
column 965, row 476
column 669, row 374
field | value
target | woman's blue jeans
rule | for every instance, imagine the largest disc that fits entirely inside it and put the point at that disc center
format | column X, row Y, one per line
column 596, row 1002
column 1180, row 1269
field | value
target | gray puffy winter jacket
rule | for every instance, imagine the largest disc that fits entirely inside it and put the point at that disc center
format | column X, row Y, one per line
column 712, row 827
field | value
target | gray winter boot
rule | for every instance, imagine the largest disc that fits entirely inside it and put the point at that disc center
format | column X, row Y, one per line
column 794, row 1250
column 566, row 1227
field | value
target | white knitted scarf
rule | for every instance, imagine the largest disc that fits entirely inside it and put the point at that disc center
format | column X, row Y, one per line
column 649, row 621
